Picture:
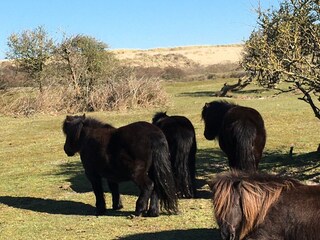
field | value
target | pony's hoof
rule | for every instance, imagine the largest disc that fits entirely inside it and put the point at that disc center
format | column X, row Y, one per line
column 138, row 213
column 132, row 216
column 153, row 213
column 117, row 207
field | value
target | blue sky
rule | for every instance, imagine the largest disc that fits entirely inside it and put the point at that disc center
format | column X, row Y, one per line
column 135, row 24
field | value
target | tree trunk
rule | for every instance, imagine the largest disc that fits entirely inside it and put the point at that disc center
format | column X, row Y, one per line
column 307, row 98
column 235, row 87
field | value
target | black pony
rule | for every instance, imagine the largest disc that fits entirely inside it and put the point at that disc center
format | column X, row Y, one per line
column 181, row 138
column 256, row 206
column 240, row 131
column 137, row 152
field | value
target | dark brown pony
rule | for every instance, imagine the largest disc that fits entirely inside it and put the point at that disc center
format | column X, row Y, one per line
column 181, row 138
column 262, row 206
column 138, row 152
column 240, row 131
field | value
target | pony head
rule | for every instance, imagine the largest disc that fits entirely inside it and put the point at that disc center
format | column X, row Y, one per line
column 241, row 200
column 227, row 207
column 72, row 127
column 158, row 117
column 231, row 224
column 213, row 114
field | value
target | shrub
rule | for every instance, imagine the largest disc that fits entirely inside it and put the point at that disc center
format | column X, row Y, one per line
column 126, row 93
column 170, row 73
column 130, row 92
column 148, row 72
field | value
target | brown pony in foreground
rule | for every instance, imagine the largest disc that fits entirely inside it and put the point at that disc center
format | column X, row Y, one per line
column 263, row 206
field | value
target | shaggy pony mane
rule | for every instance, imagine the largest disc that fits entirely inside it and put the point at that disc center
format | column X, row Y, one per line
column 257, row 194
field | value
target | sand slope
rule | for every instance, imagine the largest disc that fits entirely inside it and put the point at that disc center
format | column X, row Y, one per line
column 181, row 56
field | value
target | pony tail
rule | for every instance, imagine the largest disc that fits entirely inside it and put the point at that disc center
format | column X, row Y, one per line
column 162, row 176
column 183, row 175
column 192, row 163
column 244, row 150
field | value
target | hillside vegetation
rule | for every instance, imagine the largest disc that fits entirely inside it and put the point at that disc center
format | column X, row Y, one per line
column 184, row 63
column 132, row 81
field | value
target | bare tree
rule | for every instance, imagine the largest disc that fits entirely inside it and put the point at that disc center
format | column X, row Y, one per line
column 286, row 49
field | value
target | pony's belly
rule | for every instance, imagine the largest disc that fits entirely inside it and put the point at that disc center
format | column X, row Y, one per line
column 114, row 176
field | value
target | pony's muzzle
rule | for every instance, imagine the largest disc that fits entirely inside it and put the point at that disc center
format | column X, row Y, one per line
column 208, row 136
column 228, row 236
column 228, row 232
column 68, row 151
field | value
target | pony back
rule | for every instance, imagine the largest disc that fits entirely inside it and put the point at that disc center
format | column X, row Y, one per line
column 180, row 135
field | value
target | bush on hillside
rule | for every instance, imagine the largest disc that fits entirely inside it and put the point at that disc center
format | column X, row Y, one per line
column 170, row 73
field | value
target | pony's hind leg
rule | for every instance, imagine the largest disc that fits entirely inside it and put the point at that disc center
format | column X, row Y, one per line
column 116, row 200
column 154, row 205
column 146, row 187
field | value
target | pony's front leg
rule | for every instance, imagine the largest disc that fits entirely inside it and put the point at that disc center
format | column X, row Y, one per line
column 146, row 187
column 116, row 200
column 96, row 183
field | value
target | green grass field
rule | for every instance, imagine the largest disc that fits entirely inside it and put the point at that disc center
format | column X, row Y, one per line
column 45, row 195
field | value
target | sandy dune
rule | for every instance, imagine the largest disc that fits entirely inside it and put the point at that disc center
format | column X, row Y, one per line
column 181, row 56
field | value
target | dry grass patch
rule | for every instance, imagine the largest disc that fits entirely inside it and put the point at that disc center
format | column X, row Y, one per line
column 125, row 93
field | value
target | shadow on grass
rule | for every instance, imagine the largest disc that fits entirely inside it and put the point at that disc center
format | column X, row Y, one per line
column 198, row 94
column 80, row 183
column 234, row 94
column 190, row 234
column 55, row 206
column 208, row 163
column 251, row 91
column 304, row 167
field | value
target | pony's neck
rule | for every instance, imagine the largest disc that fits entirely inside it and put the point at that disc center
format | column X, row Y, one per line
column 93, row 123
column 226, row 107
column 223, row 111
column 93, row 128
column 159, row 117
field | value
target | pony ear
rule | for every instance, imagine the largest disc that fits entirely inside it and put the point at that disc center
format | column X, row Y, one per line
column 207, row 105
column 68, row 118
